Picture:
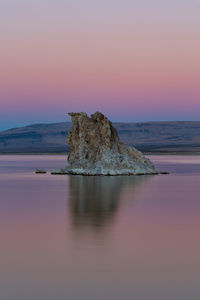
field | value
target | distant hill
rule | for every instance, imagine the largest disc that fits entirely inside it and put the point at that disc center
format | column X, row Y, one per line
column 148, row 137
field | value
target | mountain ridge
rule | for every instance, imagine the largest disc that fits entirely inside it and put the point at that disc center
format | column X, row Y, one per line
column 155, row 136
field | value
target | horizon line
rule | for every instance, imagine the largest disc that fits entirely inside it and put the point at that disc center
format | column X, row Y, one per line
column 126, row 122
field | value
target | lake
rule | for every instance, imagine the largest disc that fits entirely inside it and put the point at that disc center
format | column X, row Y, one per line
column 99, row 238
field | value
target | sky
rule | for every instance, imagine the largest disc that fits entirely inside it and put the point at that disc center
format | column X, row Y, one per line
column 132, row 60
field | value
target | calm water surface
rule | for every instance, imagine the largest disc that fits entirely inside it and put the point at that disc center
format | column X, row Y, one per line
column 96, row 238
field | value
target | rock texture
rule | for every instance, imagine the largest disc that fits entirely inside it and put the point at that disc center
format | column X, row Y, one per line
column 95, row 149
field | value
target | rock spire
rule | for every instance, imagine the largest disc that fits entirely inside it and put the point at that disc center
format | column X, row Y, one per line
column 95, row 149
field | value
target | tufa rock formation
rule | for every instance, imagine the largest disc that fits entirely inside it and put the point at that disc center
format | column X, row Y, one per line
column 95, row 149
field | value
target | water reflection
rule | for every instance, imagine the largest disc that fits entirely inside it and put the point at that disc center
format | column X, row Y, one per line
column 94, row 200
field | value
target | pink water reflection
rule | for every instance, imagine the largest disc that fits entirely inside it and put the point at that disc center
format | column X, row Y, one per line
column 68, row 237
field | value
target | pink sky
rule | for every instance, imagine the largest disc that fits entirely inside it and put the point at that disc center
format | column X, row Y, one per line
column 133, row 60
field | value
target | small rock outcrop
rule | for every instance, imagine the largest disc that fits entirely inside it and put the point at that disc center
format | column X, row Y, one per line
column 95, row 149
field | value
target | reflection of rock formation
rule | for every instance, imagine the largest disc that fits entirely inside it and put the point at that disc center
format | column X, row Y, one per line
column 94, row 200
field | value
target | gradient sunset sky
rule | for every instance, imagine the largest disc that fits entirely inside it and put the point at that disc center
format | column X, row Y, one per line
column 132, row 60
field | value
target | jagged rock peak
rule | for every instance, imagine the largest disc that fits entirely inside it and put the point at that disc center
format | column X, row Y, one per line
column 95, row 149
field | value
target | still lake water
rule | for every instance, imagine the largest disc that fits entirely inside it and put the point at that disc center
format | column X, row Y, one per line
column 99, row 238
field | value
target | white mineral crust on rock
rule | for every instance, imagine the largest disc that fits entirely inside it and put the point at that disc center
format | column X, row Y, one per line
column 95, row 149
